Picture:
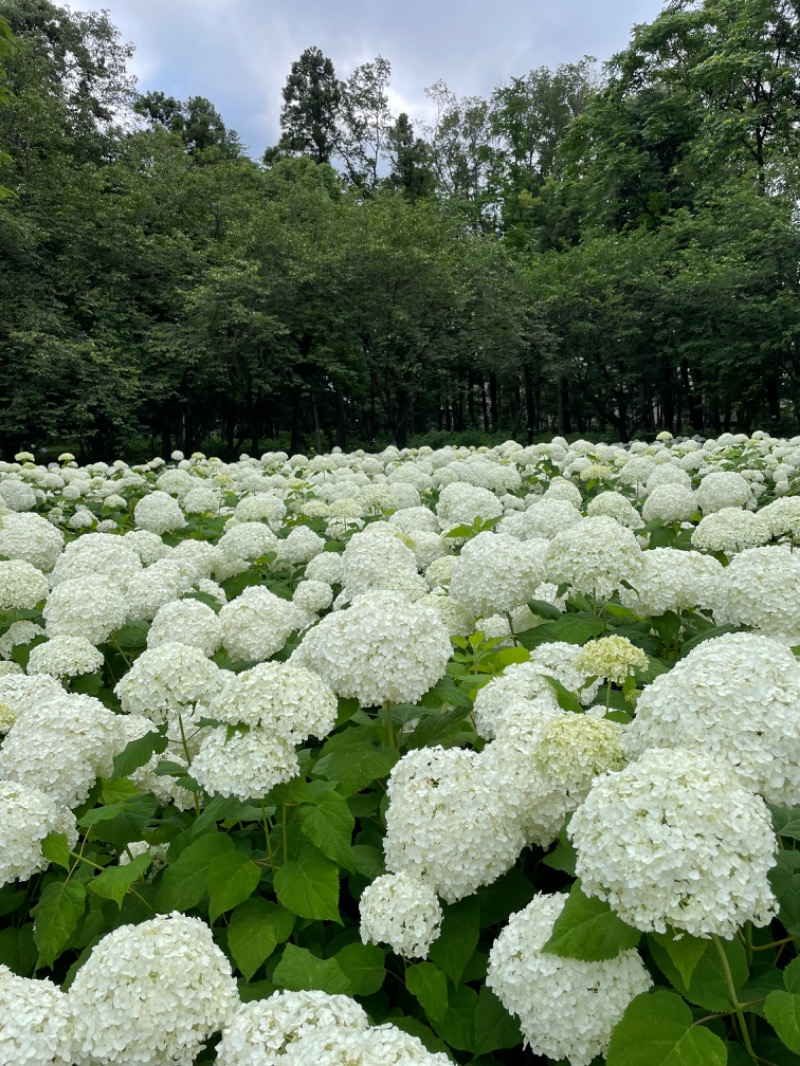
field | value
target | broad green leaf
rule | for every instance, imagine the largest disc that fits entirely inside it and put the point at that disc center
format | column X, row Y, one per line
column 494, row 1027
column 437, row 728
column 454, row 947
column 329, row 824
column 708, row 988
column 56, row 848
column 457, row 1027
column 567, row 701
column 544, row 610
column 783, row 1014
column 429, row 985
column 137, row 753
column 571, row 628
column 18, row 950
column 354, row 766
column 368, row 860
column 115, row 881
column 715, row 631
column 185, row 882
column 295, row 791
column 657, row 1029
column 785, row 882
column 256, row 928
column 56, row 918
column 507, row 894
column 786, row 821
column 563, row 857
column 791, row 976
column 132, row 636
column 684, row 951
column 232, row 878
column 364, row 966
column 300, row 971
column 588, row 929
column 309, row 886
column 122, row 823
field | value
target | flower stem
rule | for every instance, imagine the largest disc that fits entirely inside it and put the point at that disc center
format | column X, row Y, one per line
column 737, row 1006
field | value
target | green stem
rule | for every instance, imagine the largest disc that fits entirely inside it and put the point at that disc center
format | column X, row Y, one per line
column 737, row 1006
column 387, row 706
column 188, row 762
column 120, row 652
column 267, row 839
column 284, row 820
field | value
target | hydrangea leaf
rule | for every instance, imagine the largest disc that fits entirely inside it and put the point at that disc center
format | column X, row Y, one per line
column 18, row 950
column 56, row 918
column 783, row 1014
column 455, row 945
column 256, row 928
column 657, row 1029
column 232, row 878
column 300, row 971
column 364, row 965
column 354, row 765
column 494, row 1027
column 429, row 985
column 121, row 823
column 137, row 753
column 588, row 929
column 685, row 951
column 329, row 824
column 309, row 885
column 457, row 1027
column 185, row 881
column 708, row 987
column 114, row 881
column 56, row 848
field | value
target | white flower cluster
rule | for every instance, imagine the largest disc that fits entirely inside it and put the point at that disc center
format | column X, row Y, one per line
column 594, row 557
column 730, row 530
column 447, row 823
column 151, row 994
column 734, row 697
column 495, row 573
column 402, row 911
column 35, row 1022
column 673, row 580
column 158, row 513
column 27, row 816
column 22, row 585
column 674, row 839
column 91, row 607
column 168, row 680
column 722, row 489
column 258, row 623
column 31, row 538
column 610, row 658
column 65, row 656
column 382, row 648
column 761, row 589
column 567, row 1008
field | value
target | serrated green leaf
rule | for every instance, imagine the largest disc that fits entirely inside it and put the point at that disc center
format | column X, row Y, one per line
column 114, row 881
column 786, row 821
column 783, row 1014
column 567, row 701
column 657, row 1029
column 791, row 976
column 684, row 951
column 353, row 766
column 300, row 971
column 185, row 882
column 309, row 886
column 137, row 753
column 18, row 950
column 545, row 610
column 571, row 628
column 457, row 1027
column 255, row 929
column 364, row 966
column 123, row 822
column 709, row 986
column 368, row 860
column 429, row 984
column 495, row 1029
column 232, row 878
column 329, row 824
column 436, row 728
column 56, row 918
column 55, row 848
column 588, row 929
column 455, row 945
column 132, row 636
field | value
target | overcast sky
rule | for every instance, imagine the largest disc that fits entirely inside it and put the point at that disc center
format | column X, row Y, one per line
column 237, row 53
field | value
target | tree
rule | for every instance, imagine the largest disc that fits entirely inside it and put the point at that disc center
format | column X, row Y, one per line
column 411, row 161
column 197, row 122
column 365, row 122
column 312, row 99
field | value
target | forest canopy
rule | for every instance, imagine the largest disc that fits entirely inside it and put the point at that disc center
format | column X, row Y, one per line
column 604, row 249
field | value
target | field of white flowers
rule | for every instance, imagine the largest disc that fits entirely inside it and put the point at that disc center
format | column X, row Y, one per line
column 459, row 756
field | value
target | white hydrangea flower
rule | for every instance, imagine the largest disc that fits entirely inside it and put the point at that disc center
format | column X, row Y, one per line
column 21, row 632
column 783, row 517
column 247, row 763
column 16, row 495
column 201, row 499
column 675, row 839
column 730, row 530
column 461, row 503
column 91, row 607
column 240, row 544
column 761, row 589
column 62, row 745
column 32, row 538
column 22, row 585
column 383, row 1045
column 168, row 680
column 615, row 505
column 567, row 1008
column 402, row 911
column 300, row 546
column 735, row 697
column 258, row 623
column 313, row 596
column 97, row 554
column 186, row 622
column 27, row 816
column 669, row 503
column 611, row 658
column 447, row 823
column 373, row 557
column 148, row 546
column 383, row 647
column 673, row 580
column 327, row 567
column 151, row 994
column 261, row 507
column 495, row 573
column 260, row 1032
column 546, row 517
column 520, row 684
column 722, row 489
column 35, row 1022
column 159, row 583
column 594, row 557
column 65, row 656
column 158, row 513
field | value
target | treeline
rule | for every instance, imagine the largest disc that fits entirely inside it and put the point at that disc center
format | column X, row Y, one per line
column 578, row 253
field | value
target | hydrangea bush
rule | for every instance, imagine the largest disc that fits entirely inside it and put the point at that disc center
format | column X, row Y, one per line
column 475, row 756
